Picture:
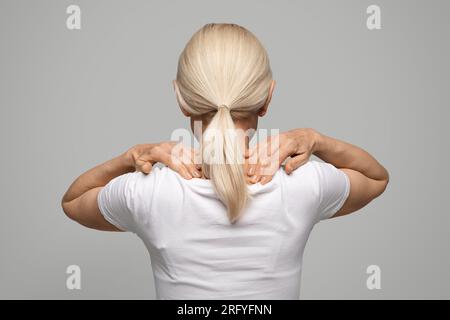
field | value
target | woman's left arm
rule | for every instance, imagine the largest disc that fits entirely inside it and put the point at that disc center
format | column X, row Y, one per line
column 80, row 201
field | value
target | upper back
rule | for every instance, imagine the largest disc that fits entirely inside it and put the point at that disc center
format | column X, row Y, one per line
column 196, row 251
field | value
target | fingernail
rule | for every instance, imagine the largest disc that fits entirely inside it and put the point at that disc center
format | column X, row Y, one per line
column 251, row 171
column 196, row 174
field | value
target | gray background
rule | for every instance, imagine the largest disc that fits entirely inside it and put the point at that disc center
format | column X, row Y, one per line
column 72, row 99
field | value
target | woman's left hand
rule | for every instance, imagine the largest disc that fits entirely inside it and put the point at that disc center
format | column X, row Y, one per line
column 175, row 155
column 267, row 157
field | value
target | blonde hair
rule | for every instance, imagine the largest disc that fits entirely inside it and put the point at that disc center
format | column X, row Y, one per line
column 224, row 69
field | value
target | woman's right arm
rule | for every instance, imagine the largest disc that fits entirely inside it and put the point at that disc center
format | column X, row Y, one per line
column 368, row 178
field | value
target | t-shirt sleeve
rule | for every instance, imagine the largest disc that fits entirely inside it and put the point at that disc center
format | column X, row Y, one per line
column 334, row 188
column 115, row 201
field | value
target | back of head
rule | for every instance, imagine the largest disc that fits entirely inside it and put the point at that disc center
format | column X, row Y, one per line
column 224, row 69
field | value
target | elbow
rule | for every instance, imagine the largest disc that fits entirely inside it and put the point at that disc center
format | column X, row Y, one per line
column 384, row 187
column 384, row 183
column 386, row 180
column 379, row 185
column 67, row 209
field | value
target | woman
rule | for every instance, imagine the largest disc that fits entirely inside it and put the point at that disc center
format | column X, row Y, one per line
column 228, row 225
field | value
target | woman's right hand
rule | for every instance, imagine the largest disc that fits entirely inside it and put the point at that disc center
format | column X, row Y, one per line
column 175, row 155
column 296, row 146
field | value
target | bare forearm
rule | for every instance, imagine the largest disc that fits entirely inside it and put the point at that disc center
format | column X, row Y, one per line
column 345, row 155
column 98, row 176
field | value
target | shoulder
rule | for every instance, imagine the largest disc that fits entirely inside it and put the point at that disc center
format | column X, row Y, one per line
column 307, row 168
column 312, row 171
column 160, row 180
column 305, row 173
column 309, row 178
column 134, row 186
column 303, row 180
column 142, row 179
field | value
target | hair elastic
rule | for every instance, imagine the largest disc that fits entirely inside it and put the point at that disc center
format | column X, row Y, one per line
column 223, row 106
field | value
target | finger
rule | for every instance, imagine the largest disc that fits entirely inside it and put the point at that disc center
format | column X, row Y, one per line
column 282, row 154
column 168, row 159
column 191, row 157
column 174, row 163
column 251, row 169
column 249, row 152
column 256, row 178
column 142, row 165
column 178, row 151
column 245, row 168
column 185, row 156
column 248, row 180
column 189, row 162
column 196, row 158
column 269, row 158
column 295, row 163
column 175, row 151
column 257, row 169
column 183, row 171
column 146, row 167
column 192, row 170
column 252, row 164
column 263, row 149
column 266, row 179
column 268, row 164
column 286, row 148
column 273, row 145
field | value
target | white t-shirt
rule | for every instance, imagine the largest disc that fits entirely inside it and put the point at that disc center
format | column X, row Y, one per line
column 197, row 254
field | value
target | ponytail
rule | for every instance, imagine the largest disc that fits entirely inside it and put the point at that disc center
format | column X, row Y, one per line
column 224, row 65
column 222, row 154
